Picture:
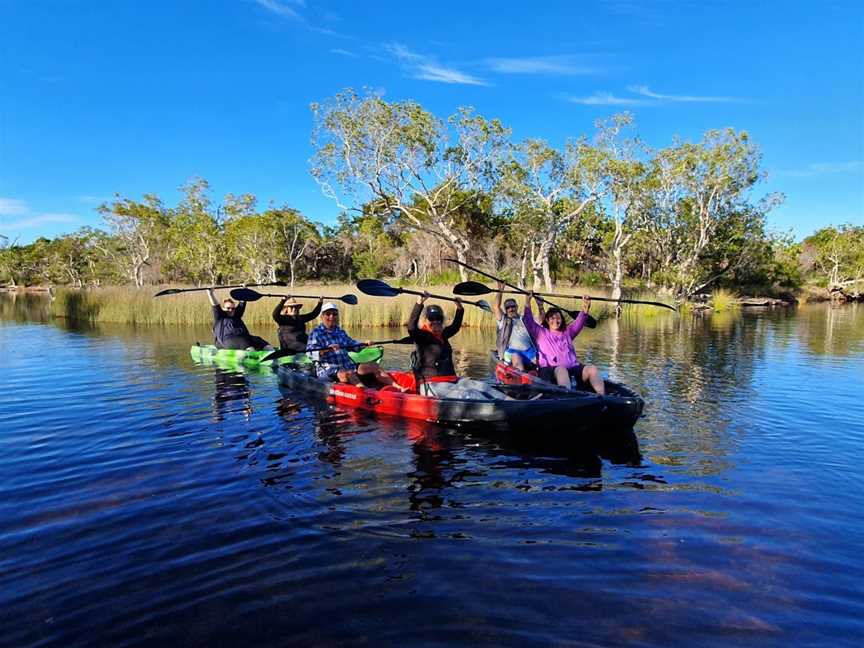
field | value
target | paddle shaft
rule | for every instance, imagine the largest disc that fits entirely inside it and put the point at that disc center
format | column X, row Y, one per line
column 444, row 297
column 517, row 289
column 174, row 291
column 603, row 299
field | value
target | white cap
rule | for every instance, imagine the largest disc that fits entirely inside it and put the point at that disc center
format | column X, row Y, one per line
column 329, row 306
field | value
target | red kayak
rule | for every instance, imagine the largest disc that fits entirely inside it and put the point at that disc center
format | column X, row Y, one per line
column 579, row 411
column 623, row 405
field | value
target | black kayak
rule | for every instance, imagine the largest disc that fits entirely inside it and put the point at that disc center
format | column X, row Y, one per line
column 561, row 423
column 623, row 405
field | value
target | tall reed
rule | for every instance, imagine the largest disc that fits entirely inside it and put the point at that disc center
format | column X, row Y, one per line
column 137, row 306
column 723, row 300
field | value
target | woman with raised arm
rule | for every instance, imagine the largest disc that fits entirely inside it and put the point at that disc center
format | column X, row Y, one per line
column 433, row 356
column 229, row 331
column 557, row 359
column 292, row 325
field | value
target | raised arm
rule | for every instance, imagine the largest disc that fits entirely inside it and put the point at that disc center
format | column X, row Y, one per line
column 315, row 312
column 576, row 325
column 499, row 311
column 528, row 319
column 454, row 326
column 212, row 297
column 277, row 312
column 414, row 317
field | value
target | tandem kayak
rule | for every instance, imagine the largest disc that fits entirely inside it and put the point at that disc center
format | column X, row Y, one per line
column 571, row 412
column 623, row 405
column 236, row 358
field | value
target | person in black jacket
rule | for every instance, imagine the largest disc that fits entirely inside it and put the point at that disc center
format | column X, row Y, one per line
column 433, row 365
column 292, row 325
column 229, row 331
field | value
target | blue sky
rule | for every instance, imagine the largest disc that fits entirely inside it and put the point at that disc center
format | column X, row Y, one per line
column 129, row 97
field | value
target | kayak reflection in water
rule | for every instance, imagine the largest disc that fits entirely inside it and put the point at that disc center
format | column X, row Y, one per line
column 432, row 360
column 229, row 331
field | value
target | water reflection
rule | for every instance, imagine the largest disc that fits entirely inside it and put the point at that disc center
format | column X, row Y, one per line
column 231, row 394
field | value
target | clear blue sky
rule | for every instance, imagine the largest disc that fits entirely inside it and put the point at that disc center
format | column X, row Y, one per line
column 131, row 97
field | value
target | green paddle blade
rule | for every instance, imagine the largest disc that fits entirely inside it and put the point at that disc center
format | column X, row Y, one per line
column 168, row 291
column 376, row 288
column 482, row 303
column 351, row 300
column 471, row 288
column 245, row 294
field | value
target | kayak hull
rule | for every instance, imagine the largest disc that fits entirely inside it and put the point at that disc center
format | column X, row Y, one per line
column 623, row 405
column 236, row 358
column 549, row 424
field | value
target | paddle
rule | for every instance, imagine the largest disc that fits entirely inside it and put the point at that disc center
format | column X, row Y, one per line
column 381, row 289
column 477, row 288
column 174, row 291
column 281, row 353
column 590, row 322
column 244, row 294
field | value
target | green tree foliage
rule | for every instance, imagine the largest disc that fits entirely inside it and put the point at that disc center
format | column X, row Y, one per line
column 835, row 255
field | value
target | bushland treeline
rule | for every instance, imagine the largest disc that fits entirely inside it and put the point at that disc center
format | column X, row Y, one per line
column 414, row 189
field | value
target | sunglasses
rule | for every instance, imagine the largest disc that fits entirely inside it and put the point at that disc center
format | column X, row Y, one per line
column 509, row 306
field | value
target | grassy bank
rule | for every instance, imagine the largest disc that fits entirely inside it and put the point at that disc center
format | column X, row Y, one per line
column 138, row 307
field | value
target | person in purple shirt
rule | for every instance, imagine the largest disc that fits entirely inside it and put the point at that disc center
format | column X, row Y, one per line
column 557, row 359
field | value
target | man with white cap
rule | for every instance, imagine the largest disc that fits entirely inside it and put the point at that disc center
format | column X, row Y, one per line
column 331, row 344
column 292, row 325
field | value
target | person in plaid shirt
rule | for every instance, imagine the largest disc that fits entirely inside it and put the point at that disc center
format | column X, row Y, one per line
column 331, row 344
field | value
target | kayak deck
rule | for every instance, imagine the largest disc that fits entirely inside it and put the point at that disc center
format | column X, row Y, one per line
column 623, row 405
column 236, row 358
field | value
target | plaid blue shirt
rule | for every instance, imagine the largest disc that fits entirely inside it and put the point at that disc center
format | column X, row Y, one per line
column 329, row 363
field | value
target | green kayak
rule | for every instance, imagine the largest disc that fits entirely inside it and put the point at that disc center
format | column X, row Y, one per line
column 236, row 358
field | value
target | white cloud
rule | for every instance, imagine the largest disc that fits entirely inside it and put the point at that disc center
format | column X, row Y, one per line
column 39, row 221
column 342, row 52
column 419, row 66
column 552, row 65
column 646, row 92
column 643, row 96
column 817, row 169
column 606, row 99
column 280, row 9
column 13, row 207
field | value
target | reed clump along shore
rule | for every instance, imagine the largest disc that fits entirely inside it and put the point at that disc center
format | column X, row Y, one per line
column 138, row 307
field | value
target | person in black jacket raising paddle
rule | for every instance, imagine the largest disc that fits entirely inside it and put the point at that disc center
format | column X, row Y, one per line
column 433, row 367
column 292, row 325
column 229, row 331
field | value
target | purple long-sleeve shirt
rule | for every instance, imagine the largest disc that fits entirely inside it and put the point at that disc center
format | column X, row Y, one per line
column 555, row 347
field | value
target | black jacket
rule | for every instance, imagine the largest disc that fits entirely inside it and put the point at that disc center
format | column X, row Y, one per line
column 292, row 329
column 433, row 357
column 227, row 326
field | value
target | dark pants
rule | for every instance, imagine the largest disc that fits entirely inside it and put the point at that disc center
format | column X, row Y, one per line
column 548, row 374
column 243, row 342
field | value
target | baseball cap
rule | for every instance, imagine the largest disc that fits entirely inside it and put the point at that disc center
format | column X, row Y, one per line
column 329, row 306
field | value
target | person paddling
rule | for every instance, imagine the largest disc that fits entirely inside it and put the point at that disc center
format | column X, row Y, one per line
column 558, row 360
column 433, row 355
column 331, row 343
column 292, row 325
column 514, row 344
column 229, row 331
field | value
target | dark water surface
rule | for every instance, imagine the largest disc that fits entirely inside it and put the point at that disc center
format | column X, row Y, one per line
column 146, row 500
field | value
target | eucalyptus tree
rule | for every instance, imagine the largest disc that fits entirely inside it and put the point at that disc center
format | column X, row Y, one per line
column 417, row 167
column 260, row 245
column 546, row 190
column 197, row 248
column 836, row 255
column 702, row 211
column 627, row 180
column 139, row 228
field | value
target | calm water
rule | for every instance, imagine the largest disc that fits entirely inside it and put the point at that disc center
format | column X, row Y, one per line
column 144, row 500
